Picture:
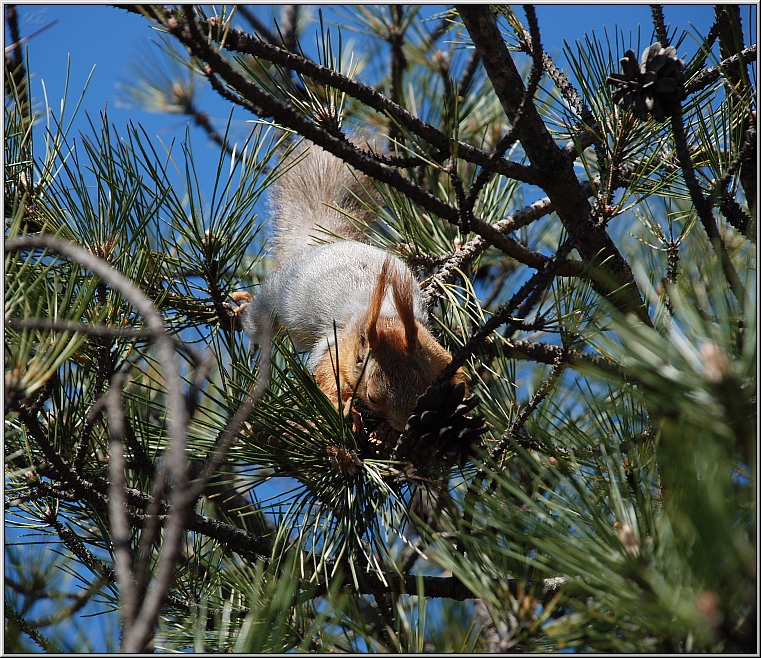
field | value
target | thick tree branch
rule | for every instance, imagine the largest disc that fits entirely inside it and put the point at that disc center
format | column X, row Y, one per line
column 559, row 180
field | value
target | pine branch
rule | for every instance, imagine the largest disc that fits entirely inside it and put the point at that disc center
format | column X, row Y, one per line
column 259, row 101
column 92, row 329
column 95, row 489
column 586, row 132
column 243, row 543
column 14, row 61
column 521, row 303
column 142, row 624
column 547, row 353
column 289, row 19
column 660, row 27
column 237, row 41
column 558, row 364
column 446, row 587
column 729, row 207
column 255, row 23
column 558, row 177
column 709, row 76
column 535, row 76
column 23, row 625
column 397, row 65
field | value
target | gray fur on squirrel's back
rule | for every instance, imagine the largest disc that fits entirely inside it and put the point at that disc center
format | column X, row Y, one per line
column 324, row 283
column 305, row 198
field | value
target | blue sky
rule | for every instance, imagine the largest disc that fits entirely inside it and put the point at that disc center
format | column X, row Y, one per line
column 109, row 39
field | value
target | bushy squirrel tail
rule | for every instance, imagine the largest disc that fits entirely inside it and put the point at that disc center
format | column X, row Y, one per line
column 317, row 199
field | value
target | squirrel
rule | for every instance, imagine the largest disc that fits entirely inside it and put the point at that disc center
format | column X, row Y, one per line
column 355, row 308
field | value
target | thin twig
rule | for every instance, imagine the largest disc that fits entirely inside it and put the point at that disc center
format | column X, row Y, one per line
column 77, row 548
column 710, row 39
column 463, row 257
column 234, row 427
column 53, row 324
column 541, row 393
column 709, row 76
column 523, row 300
column 19, row 622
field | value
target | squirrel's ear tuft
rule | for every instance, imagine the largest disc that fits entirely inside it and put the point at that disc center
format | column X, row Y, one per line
column 403, row 287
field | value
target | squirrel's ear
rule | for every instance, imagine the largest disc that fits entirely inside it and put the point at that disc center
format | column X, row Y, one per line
column 402, row 285
column 376, row 301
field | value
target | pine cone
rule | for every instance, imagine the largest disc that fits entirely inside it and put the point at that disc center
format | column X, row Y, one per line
column 439, row 427
column 656, row 87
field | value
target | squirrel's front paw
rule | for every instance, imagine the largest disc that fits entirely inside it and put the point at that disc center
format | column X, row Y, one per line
column 241, row 299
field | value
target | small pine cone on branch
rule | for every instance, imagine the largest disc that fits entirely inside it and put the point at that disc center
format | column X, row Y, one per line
column 654, row 87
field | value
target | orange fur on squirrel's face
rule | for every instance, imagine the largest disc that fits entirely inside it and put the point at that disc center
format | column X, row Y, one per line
column 388, row 362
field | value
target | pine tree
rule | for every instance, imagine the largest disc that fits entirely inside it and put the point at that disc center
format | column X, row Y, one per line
column 586, row 242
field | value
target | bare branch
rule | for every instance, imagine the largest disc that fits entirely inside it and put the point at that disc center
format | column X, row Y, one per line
column 23, row 625
column 660, row 27
column 264, row 104
column 255, row 23
column 52, row 324
column 559, row 363
column 709, row 76
column 461, row 259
